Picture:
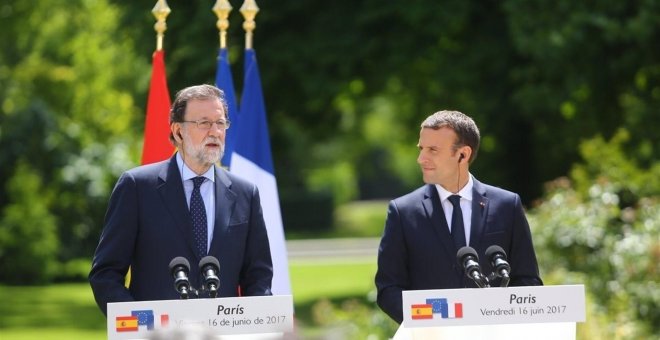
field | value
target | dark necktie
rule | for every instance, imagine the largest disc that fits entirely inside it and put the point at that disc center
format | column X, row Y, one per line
column 457, row 229
column 198, row 214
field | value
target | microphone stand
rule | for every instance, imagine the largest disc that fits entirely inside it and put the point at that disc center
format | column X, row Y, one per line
column 503, row 274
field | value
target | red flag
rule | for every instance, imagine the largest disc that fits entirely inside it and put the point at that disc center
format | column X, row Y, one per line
column 157, row 146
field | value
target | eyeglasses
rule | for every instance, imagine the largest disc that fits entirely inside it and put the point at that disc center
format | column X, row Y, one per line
column 207, row 124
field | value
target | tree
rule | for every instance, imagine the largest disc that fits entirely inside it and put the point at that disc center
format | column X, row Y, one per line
column 28, row 237
column 69, row 122
column 603, row 227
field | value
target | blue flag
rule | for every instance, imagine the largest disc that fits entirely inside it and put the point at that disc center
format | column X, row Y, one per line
column 253, row 161
column 225, row 82
column 253, row 141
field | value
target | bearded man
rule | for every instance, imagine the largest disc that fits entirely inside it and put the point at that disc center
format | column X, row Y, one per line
column 186, row 206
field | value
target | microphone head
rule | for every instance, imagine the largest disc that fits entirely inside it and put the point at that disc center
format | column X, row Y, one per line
column 179, row 263
column 464, row 252
column 209, row 260
column 493, row 250
column 210, row 268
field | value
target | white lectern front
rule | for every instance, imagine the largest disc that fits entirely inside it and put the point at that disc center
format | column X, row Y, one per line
column 257, row 316
column 538, row 312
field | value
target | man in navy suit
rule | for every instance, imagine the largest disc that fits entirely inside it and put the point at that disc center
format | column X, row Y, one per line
column 418, row 248
column 148, row 221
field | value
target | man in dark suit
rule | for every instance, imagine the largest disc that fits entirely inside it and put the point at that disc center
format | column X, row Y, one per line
column 418, row 248
column 185, row 206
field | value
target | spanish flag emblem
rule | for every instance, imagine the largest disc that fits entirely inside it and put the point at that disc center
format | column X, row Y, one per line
column 126, row 323
column 421, row 311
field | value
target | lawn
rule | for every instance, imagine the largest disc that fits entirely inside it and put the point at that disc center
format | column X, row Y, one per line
column 63, row 311
column 312, row 280
column 68, row 311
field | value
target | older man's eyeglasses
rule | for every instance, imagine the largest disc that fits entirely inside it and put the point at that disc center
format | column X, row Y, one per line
column 208, row 124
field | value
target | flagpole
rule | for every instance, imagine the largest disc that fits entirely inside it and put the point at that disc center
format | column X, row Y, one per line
column 222, row 9
column 161, row 10
column 249, row 10
column 252, row 157
column 157, row 146
column 224, row 80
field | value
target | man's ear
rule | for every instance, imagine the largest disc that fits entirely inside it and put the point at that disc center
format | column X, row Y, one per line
column 176, row 132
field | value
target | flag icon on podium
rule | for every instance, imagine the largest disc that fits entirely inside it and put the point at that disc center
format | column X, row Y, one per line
column 126, row 323
column 145, row 318
column 421, row 311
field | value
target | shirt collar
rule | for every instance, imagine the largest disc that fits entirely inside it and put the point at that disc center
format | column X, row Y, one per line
column 187, row 174
column 465, row 192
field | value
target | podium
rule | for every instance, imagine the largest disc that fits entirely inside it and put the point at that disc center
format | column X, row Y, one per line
column 535, row 312
column 253, row 317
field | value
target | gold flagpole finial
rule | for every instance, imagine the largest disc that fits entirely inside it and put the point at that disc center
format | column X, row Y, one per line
column 249, row 11
column 222, row 9
column 160, row 11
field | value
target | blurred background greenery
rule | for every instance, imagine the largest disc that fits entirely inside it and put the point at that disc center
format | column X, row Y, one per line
column 566, row 94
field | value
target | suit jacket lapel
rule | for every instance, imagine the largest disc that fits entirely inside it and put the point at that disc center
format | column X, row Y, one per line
column 225, row 200
column 172, row 193
column 435, row 218
column 479, row 212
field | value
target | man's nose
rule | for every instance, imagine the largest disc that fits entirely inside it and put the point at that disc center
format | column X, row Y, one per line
column 421, row 159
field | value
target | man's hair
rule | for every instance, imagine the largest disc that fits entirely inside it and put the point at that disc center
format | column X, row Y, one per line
column 197, row 92
column 467, row 132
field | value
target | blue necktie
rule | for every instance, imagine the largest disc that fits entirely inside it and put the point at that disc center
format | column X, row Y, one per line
column 198, row 214
column 457, row 228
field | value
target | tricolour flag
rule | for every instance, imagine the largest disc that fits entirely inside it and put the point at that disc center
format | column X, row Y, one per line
column 421, row 311
column 157, row 146
column 126, row 323
column 225, row 82
column 253, row 161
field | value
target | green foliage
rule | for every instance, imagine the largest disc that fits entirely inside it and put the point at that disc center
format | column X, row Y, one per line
column 336, row 299
column 68, row 117
column 349, row 220
column 75, row 270
column 308, row 213
column 353, row 319
column 607, row 227
column 612, row 161
column 584, row 71
column 538, row 77
column 361, row 219
column 28, row 237
column 345, row 94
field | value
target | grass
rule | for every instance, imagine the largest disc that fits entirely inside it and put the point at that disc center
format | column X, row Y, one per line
column 63, row 311
column 317, row 284
column 68, row 311
column 312, row 280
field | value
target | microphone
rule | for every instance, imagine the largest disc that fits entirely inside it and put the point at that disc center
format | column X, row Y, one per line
column 180, row 267
column 497, row 257
column 469, row 260
column 210, row 268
